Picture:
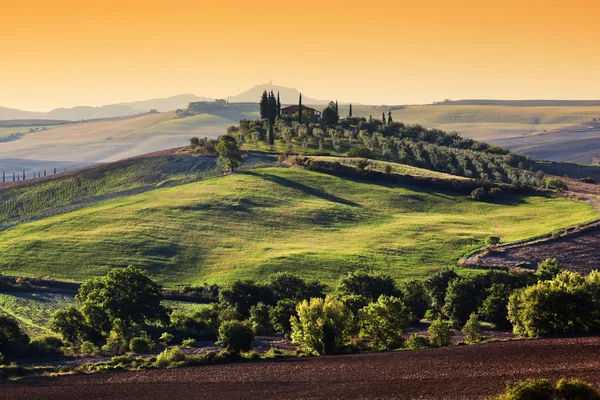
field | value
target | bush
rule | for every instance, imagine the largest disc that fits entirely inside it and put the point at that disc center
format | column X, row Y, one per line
column 360, row 152
column 416, row 341
column 384, row 321
column 575, row 389
column 235, row 336
column 166, row 338
column 472, row 330
column 322, row 325
column 46, row 345
column 115, row 343
column 531, row 389
column 88, row 348
column 169, row 357
column 140, row 344
column 479, row 194
column 388, row 169
column 189, row 342
column 440, row 333
column 588, row 179
column 492, row 240
column 555, row 184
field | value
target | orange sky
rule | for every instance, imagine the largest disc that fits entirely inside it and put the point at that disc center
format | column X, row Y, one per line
column 65, row 53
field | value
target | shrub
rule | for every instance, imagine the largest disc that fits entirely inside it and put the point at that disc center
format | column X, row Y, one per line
column 588, row 179
column 88, row 348
column 416, row 341
column 189, row 342
column 322, row 325
column 388, row 169
column 440, row 333
column 115, row 343
column 140, row 344
column 555, row 184
column 46, row 344
column 1, row 358
column 384, row 321
column 575, row 389
column 472, row 330
column 492, row 240
column 531, row 389
column 169, row 357
column 235, row 336
column 166, row 338
column 479, row 194
column 360, row 152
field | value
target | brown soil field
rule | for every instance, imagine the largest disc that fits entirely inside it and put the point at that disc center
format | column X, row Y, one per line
column 460, row 372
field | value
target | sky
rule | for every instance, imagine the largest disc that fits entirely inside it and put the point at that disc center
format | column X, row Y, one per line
column 64, row 53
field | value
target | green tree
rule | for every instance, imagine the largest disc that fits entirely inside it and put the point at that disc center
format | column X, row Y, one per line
column 472, row 329
column 286, row 285
column 278, row 105
column 323, row 325
column 235, row 336
column 260, row 319
column 12, row 339
column 462, row 299
column 440, row 333
column 383, row 118
column 368, row 285
column 384, row 321
column 244, row 294
column 330, row 114
column 264, row 105
column 300, row 108
column 350, row 111
column 548, row 269
column 272, row 108
column 280, row 315
column 414, row 295
column 127, row 294
column 494, row 307
column 389, row 117
column 229, row 152
column 436, row 286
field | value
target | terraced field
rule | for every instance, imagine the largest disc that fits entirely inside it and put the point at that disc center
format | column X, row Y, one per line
column 251, row 224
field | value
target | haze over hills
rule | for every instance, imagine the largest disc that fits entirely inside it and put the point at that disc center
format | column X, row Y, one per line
column 78, row 113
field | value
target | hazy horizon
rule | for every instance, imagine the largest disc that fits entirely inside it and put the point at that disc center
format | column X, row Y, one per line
column 69, row 53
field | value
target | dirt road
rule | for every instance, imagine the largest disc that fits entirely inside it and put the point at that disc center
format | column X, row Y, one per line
column 463, row 372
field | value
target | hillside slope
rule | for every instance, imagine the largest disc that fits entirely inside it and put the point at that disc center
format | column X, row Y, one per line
column 250, row 224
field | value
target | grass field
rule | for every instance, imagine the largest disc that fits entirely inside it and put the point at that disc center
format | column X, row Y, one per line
column 251, row 224
column 36, row 198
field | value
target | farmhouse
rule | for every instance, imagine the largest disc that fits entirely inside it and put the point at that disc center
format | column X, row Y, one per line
column 291, row 110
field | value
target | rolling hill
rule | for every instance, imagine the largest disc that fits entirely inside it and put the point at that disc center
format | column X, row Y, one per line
column 250, row 224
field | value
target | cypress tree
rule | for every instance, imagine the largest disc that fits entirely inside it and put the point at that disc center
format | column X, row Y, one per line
column 383, row 117
column 3, row 176
column 300, row 108
column 23, row 174
column 264, row 105
column 350, row 112
column 272, row 107
column 389, row 117
column 278, row 105
column 337, row 110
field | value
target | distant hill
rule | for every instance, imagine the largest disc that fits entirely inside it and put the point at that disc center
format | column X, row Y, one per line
column 287, row 95
column 166, row 104
column 521, row 103
column 79, row 113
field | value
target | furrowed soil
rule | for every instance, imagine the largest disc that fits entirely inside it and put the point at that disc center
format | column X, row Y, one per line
column 461, row 372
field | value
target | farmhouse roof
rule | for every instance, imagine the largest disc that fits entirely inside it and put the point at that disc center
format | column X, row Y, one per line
column 295, row 108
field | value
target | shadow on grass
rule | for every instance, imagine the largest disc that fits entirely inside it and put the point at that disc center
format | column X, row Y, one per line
column 306, row 189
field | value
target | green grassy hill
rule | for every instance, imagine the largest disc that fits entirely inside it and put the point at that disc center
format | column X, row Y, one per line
column 251, row 224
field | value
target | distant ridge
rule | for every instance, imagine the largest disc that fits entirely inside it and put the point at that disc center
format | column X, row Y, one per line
column 520, row 103
column 287, row 95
